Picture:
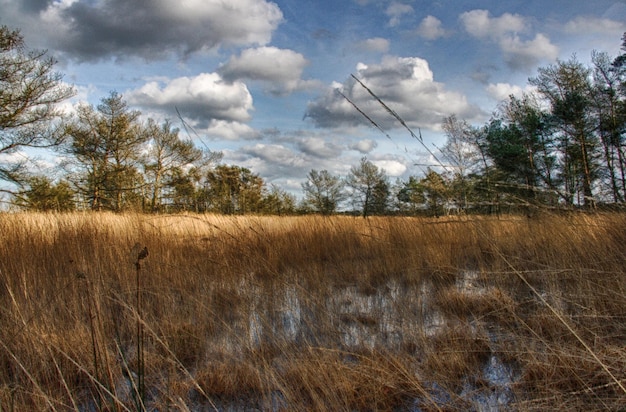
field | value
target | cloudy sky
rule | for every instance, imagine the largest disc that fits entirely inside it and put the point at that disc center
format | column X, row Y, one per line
column 262, row 81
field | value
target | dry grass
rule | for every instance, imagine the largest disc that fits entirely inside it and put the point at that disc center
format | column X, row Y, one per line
column 312, row 313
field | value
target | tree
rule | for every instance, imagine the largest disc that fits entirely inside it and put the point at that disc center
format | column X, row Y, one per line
column 45, row 196
column 411, row 195
column 29, row 93
column 187, row 187
column 463, row 153
column 520, row 145
column 566, row 86
column 233, row 190
column 184, row 193
column 619, row 69
column 278, row 202
column 609, row 108
column 323, row 192
column 380, row 197
column 106, row 143
column 436, row 191
column 619, row 66
column 370, row 190
column 166, row 157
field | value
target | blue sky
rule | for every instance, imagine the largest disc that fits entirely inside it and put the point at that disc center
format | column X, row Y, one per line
column 258, row 80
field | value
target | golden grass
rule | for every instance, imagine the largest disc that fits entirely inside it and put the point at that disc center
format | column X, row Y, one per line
column 312, row 313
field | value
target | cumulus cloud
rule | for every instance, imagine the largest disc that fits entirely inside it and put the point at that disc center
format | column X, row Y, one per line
column 391, row 167
column 594, row 25
column 281, row 69
column 202, row 98
column 502, row 91
column 318, row 147
column 525, row 54
column 430, row 28
column 272, row 161
column 364, row 146
column 229, row 130
column 274, row 153
column 294, row 153
column 406, row 84
column 395, row 11
column 153, row 29
column 376, row 44
column 519, row 54
column 479, row 23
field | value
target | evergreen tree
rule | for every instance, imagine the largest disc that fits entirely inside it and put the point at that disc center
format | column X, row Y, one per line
column 278, row 202
column 29, row 93
column 370, row 189
column 411, row 195
column 566, row 86
column 609, row 104
column 165, row 160
column 233, row 190
column 436, row 191
column 106, row 144
column 43, row 195
column 323, row 192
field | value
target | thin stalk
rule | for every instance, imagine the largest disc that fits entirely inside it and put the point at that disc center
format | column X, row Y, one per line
column 140, row 360
column 561, row 319
column 141, row 388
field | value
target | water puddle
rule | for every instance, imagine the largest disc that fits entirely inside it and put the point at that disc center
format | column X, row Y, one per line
column 388, row 317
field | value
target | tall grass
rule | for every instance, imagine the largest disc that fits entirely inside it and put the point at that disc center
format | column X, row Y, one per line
column 312, row 313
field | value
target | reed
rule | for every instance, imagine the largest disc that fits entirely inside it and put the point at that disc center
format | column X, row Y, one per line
column 311, row 313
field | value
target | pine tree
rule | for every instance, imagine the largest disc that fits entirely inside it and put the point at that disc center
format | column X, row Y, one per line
column 29, row 93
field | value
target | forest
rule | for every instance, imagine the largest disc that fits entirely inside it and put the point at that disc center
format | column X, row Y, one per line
column 561, row 147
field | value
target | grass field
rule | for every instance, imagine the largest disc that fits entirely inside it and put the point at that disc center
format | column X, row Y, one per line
column 312, row 313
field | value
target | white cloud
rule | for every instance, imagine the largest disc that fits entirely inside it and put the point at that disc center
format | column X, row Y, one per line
column 396, row 10
column 594, row 25
column 392, row 168
column 582, row 35
column 505, row 31
column 430, row 28
column 376, row 44
column 502, row 91
column 280, row 68
column 275, row 155
column 318, row 147
column 203, row 98
column 480, row 24
column 406, row 84
column 222, row 129
column 364, row 146
column 525, row 54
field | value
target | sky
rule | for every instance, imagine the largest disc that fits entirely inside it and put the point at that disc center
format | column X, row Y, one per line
column 262, row 81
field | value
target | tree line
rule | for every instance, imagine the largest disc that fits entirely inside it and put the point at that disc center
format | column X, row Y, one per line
column 561, row 146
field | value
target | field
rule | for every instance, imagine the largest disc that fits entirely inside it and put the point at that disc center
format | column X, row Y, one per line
column 312, row 313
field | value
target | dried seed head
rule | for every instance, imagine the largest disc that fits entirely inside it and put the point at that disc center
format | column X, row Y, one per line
column 143, row 254
column 138, row 253
column 137, row 250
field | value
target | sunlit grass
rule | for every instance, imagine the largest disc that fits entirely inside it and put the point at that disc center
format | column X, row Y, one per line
column 312, row 313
